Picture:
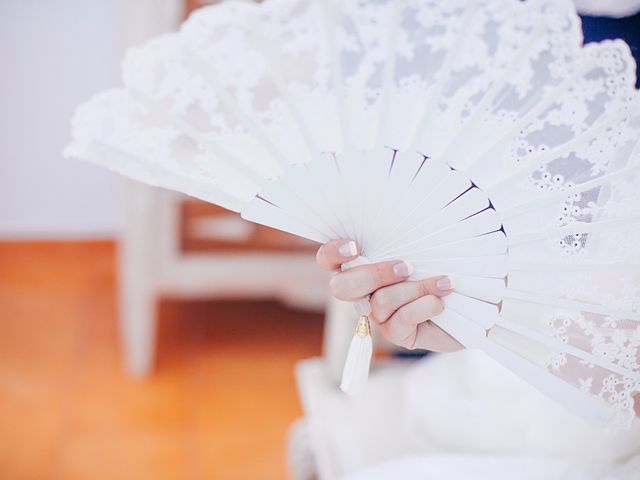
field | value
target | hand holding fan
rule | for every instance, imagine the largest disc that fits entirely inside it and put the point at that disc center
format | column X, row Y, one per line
column 478, row 140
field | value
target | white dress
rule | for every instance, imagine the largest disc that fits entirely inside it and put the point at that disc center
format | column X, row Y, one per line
column 473, row 419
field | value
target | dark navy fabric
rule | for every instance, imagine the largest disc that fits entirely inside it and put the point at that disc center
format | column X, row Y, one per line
column 628, row 29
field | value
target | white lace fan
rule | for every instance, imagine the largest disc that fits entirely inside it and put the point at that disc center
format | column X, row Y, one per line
column 476, row 139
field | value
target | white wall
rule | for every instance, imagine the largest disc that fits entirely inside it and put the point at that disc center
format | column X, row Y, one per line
column 53, row 55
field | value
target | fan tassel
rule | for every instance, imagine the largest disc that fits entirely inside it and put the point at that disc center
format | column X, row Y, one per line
column 356, row 367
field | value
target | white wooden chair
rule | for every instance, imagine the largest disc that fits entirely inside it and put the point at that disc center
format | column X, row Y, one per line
column 152, row 264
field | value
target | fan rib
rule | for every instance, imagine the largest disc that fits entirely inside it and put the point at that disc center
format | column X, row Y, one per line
column 336, row 72
column 443, row 75
column 265, row 46
column 322, row 172
column 322, row 205
column 118, row 160
column 493, row 243
column 495, row 266
column 526, row 117
column 562, row 347
column 202, row 67
column 573, row 398
column 514, row 64
column 265, row 213
column 490, row 290
column 549, row 197
column 375, row 191
column 541, row 266
column 285, row 193
column 296, row 205
column 571, row 229
column 388, row 74
column 543, row 299
column 430, row 217
column 307, row 204
column 542, row 159
column 345, row 193
column 231, row 161
column 486, row 316
column 348, row 171
column 443, row 231
column 448, row 186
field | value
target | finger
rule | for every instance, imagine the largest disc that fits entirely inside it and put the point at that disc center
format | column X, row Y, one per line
column 636, row 405
column 360, row 281
column 333, row 254
column 429, row 336
column 385, row 301
column 402, row 326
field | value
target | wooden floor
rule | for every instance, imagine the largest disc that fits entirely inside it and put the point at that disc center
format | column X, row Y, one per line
column 217, row 407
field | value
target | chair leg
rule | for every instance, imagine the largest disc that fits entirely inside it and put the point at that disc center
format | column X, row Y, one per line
column 137, row 257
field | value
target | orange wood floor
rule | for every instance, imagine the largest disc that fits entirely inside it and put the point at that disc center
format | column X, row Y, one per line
column 217, row 407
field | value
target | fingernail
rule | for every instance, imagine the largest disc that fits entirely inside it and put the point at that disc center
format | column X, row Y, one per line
column 348, row 249
column 444, row 284
column 402, row 269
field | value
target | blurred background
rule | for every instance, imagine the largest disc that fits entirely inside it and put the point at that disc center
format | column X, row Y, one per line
column 169, row 354
column 144, row 335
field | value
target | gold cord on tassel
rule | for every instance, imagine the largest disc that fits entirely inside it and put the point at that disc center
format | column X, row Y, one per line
column 363, row 329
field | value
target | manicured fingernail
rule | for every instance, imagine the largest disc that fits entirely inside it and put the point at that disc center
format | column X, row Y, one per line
column 402, row 269
column 348, row 249
column 444, row 284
